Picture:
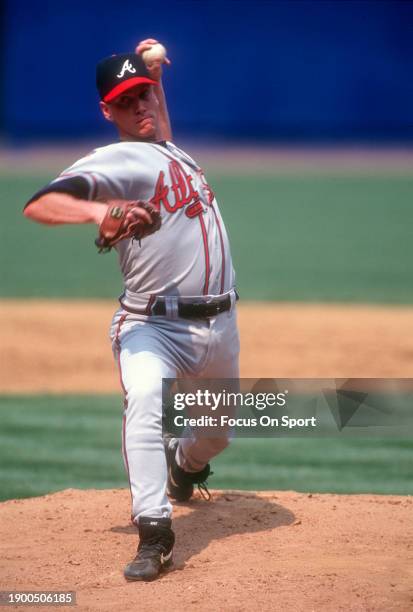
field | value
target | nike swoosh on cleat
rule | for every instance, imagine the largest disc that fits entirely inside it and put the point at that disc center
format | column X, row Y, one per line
column 171, row 478
column 165, row 558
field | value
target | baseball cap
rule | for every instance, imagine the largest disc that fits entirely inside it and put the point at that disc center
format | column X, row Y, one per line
column 118, row 73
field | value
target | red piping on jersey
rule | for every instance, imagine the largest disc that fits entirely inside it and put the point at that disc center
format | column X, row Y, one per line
column 125, row 456
column 118, row 347
column 125, row 402
column 201, row 221
column 206, row 250
column 222, row 250
column 148, row 309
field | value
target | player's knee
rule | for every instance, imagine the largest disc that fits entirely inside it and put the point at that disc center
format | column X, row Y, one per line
column 144, row 407
column 143, row 394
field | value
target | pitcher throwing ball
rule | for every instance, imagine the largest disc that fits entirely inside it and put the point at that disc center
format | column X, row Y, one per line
column 152, row 203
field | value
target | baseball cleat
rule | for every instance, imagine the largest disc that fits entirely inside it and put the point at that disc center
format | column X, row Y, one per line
column 156, row 541
column 180, row 484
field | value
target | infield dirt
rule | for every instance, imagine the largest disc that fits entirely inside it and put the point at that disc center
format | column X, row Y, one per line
column 264, row 551
column 280, row 551
column 63, row 346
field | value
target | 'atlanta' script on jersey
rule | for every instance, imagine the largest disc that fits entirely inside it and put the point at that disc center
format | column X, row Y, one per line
column 180, row 192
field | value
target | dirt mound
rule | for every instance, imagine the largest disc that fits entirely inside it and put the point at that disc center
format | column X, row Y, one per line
column 58, row 346
column 242, row 551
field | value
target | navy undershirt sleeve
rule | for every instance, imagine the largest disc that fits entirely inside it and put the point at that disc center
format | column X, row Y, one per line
column 76, row 186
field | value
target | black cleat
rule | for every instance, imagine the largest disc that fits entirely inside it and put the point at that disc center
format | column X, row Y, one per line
column 180, row 485
column 156, row 541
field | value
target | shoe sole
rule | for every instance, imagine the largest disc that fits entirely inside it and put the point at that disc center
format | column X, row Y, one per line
column 164, row 567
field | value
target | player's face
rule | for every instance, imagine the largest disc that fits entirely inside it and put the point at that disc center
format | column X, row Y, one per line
column 135, row 113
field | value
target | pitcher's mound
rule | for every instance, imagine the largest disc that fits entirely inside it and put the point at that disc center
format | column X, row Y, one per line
column 242, row 551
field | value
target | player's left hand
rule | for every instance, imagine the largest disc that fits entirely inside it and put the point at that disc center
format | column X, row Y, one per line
column 127, row 219
column 155, row 68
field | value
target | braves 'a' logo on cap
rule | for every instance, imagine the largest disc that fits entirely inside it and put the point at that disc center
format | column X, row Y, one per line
column 127, row 66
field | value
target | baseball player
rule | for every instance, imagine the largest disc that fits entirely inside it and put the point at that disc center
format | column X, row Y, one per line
column 177, row 319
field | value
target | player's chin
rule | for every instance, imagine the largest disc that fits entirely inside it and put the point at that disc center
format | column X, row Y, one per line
column 146, row 128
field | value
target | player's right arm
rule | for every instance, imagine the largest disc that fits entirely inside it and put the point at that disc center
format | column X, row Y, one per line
column 165, row 130
column 80, row 193
column 155, row 70
column 56, row 208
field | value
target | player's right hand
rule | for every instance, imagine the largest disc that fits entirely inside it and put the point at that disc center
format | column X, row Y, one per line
column 155, row 69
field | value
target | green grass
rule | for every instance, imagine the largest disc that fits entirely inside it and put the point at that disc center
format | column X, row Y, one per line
column 48, row 443
column 295, row 237
column 42, row 261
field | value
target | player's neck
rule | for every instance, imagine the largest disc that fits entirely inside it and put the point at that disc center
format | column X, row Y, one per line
column 128, row 138
column 125, row 137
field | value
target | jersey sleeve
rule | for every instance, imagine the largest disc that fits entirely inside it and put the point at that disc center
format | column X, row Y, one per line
column 100, row 176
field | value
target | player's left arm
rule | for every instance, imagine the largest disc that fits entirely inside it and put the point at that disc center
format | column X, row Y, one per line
column 155, row 70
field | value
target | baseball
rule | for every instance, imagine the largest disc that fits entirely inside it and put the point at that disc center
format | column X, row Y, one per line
column 156, row 53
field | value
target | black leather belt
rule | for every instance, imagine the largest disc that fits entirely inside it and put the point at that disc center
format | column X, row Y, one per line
column 192, row 310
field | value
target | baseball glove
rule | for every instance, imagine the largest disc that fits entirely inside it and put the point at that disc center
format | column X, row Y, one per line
column 124, row 219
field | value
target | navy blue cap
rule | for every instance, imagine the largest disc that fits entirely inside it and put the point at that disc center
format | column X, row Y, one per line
column 118, row 73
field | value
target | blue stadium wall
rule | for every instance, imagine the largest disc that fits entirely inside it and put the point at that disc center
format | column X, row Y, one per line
column 286, row 70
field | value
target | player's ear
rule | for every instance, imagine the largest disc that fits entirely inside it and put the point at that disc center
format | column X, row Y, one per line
column 106, row 110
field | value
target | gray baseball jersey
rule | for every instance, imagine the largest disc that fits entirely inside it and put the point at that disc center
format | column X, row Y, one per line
column 190, row 256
